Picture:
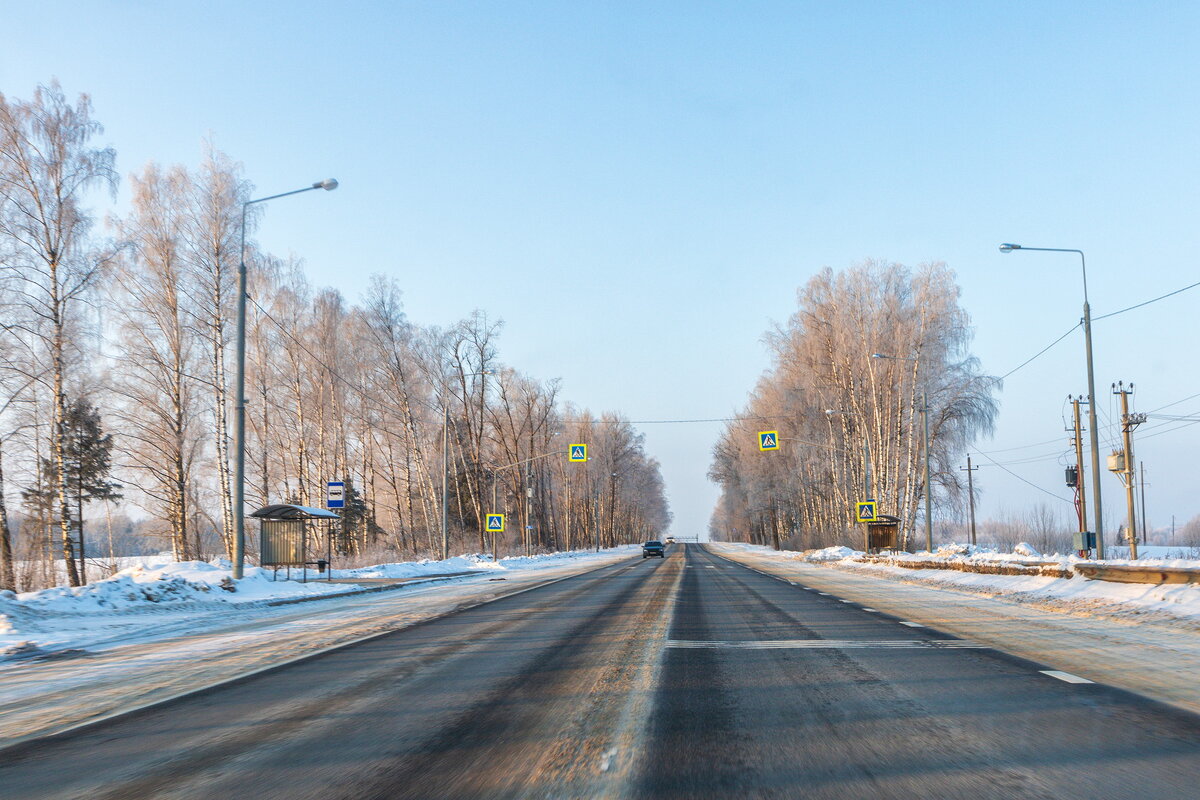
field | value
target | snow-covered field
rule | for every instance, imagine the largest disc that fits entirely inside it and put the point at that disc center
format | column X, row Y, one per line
column 1077, row 594
column 155, row 597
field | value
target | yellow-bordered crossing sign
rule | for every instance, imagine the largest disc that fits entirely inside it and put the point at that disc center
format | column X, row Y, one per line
column 577, row 452
column 768, row 440
column 495, row 523
column 867, row 512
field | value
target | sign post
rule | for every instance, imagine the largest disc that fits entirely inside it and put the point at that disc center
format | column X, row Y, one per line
column 335, row 498
column 494, row 524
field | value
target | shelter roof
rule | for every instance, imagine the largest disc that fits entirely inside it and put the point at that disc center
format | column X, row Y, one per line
column 289, row 511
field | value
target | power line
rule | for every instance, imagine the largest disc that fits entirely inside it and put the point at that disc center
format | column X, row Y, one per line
column 710, row 420
column 1168, row 430
column 1147, row 302
column 1039, row 353
column 1019, row 447
column 1018, row 477
column 310, row 353
column 1039, row 459
column 1175, row 403
column 377, row 402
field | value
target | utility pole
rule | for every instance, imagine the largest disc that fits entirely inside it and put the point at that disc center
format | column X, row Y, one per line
column 1122, row 463
column 495, row 550
column 528, row 510
column 928, row 486
column 1142, row 466
column 1080, row 495
column 970, row 493
column 445, row 481
column 567, row 477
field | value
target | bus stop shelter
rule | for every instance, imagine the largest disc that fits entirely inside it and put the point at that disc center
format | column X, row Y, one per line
column 289, row 533
column 882, row 533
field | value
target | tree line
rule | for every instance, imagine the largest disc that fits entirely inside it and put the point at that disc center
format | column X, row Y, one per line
column 851, row 368
column 116, row 386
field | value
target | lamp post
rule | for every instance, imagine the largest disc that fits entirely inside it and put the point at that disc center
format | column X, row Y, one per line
column 924, row 446
column 1093, row 428
column 928, row 485
column 239, row 424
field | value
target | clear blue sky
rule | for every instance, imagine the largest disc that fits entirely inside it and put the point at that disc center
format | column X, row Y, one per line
column 637, row 189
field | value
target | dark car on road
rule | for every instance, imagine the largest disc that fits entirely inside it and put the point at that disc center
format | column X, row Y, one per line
column 653, row 549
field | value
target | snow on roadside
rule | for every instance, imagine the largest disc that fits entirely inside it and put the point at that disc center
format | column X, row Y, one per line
column 160, row 597
column 1077, row 595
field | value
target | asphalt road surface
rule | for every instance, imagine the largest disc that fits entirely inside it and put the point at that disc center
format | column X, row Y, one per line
column 676, row 678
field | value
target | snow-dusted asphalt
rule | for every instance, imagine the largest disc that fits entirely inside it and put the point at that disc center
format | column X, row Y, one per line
column 775, row 690
column 688, row 677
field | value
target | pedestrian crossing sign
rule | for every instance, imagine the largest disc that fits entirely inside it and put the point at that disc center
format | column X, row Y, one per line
column 495, row 523
column 577, row 452
column 768, row 440
column 867, row 512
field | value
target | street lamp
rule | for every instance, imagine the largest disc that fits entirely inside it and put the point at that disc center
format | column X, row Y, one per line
column 925, row 446
column 239, row 425
column 1093, row 432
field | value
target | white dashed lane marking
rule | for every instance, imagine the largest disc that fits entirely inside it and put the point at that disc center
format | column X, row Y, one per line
column 913, row 624
column 1064, row 676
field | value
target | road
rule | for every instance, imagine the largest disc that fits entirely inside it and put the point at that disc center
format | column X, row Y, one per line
column 685, row 677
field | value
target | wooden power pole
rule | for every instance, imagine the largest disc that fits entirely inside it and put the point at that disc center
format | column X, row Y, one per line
column 1123, row 464
column 1080, row 496
column 970, row 493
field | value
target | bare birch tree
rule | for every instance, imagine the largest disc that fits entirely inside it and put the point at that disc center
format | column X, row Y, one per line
column 47, row 168
column 825, row 361
column 157, row 377
column 210, row 248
